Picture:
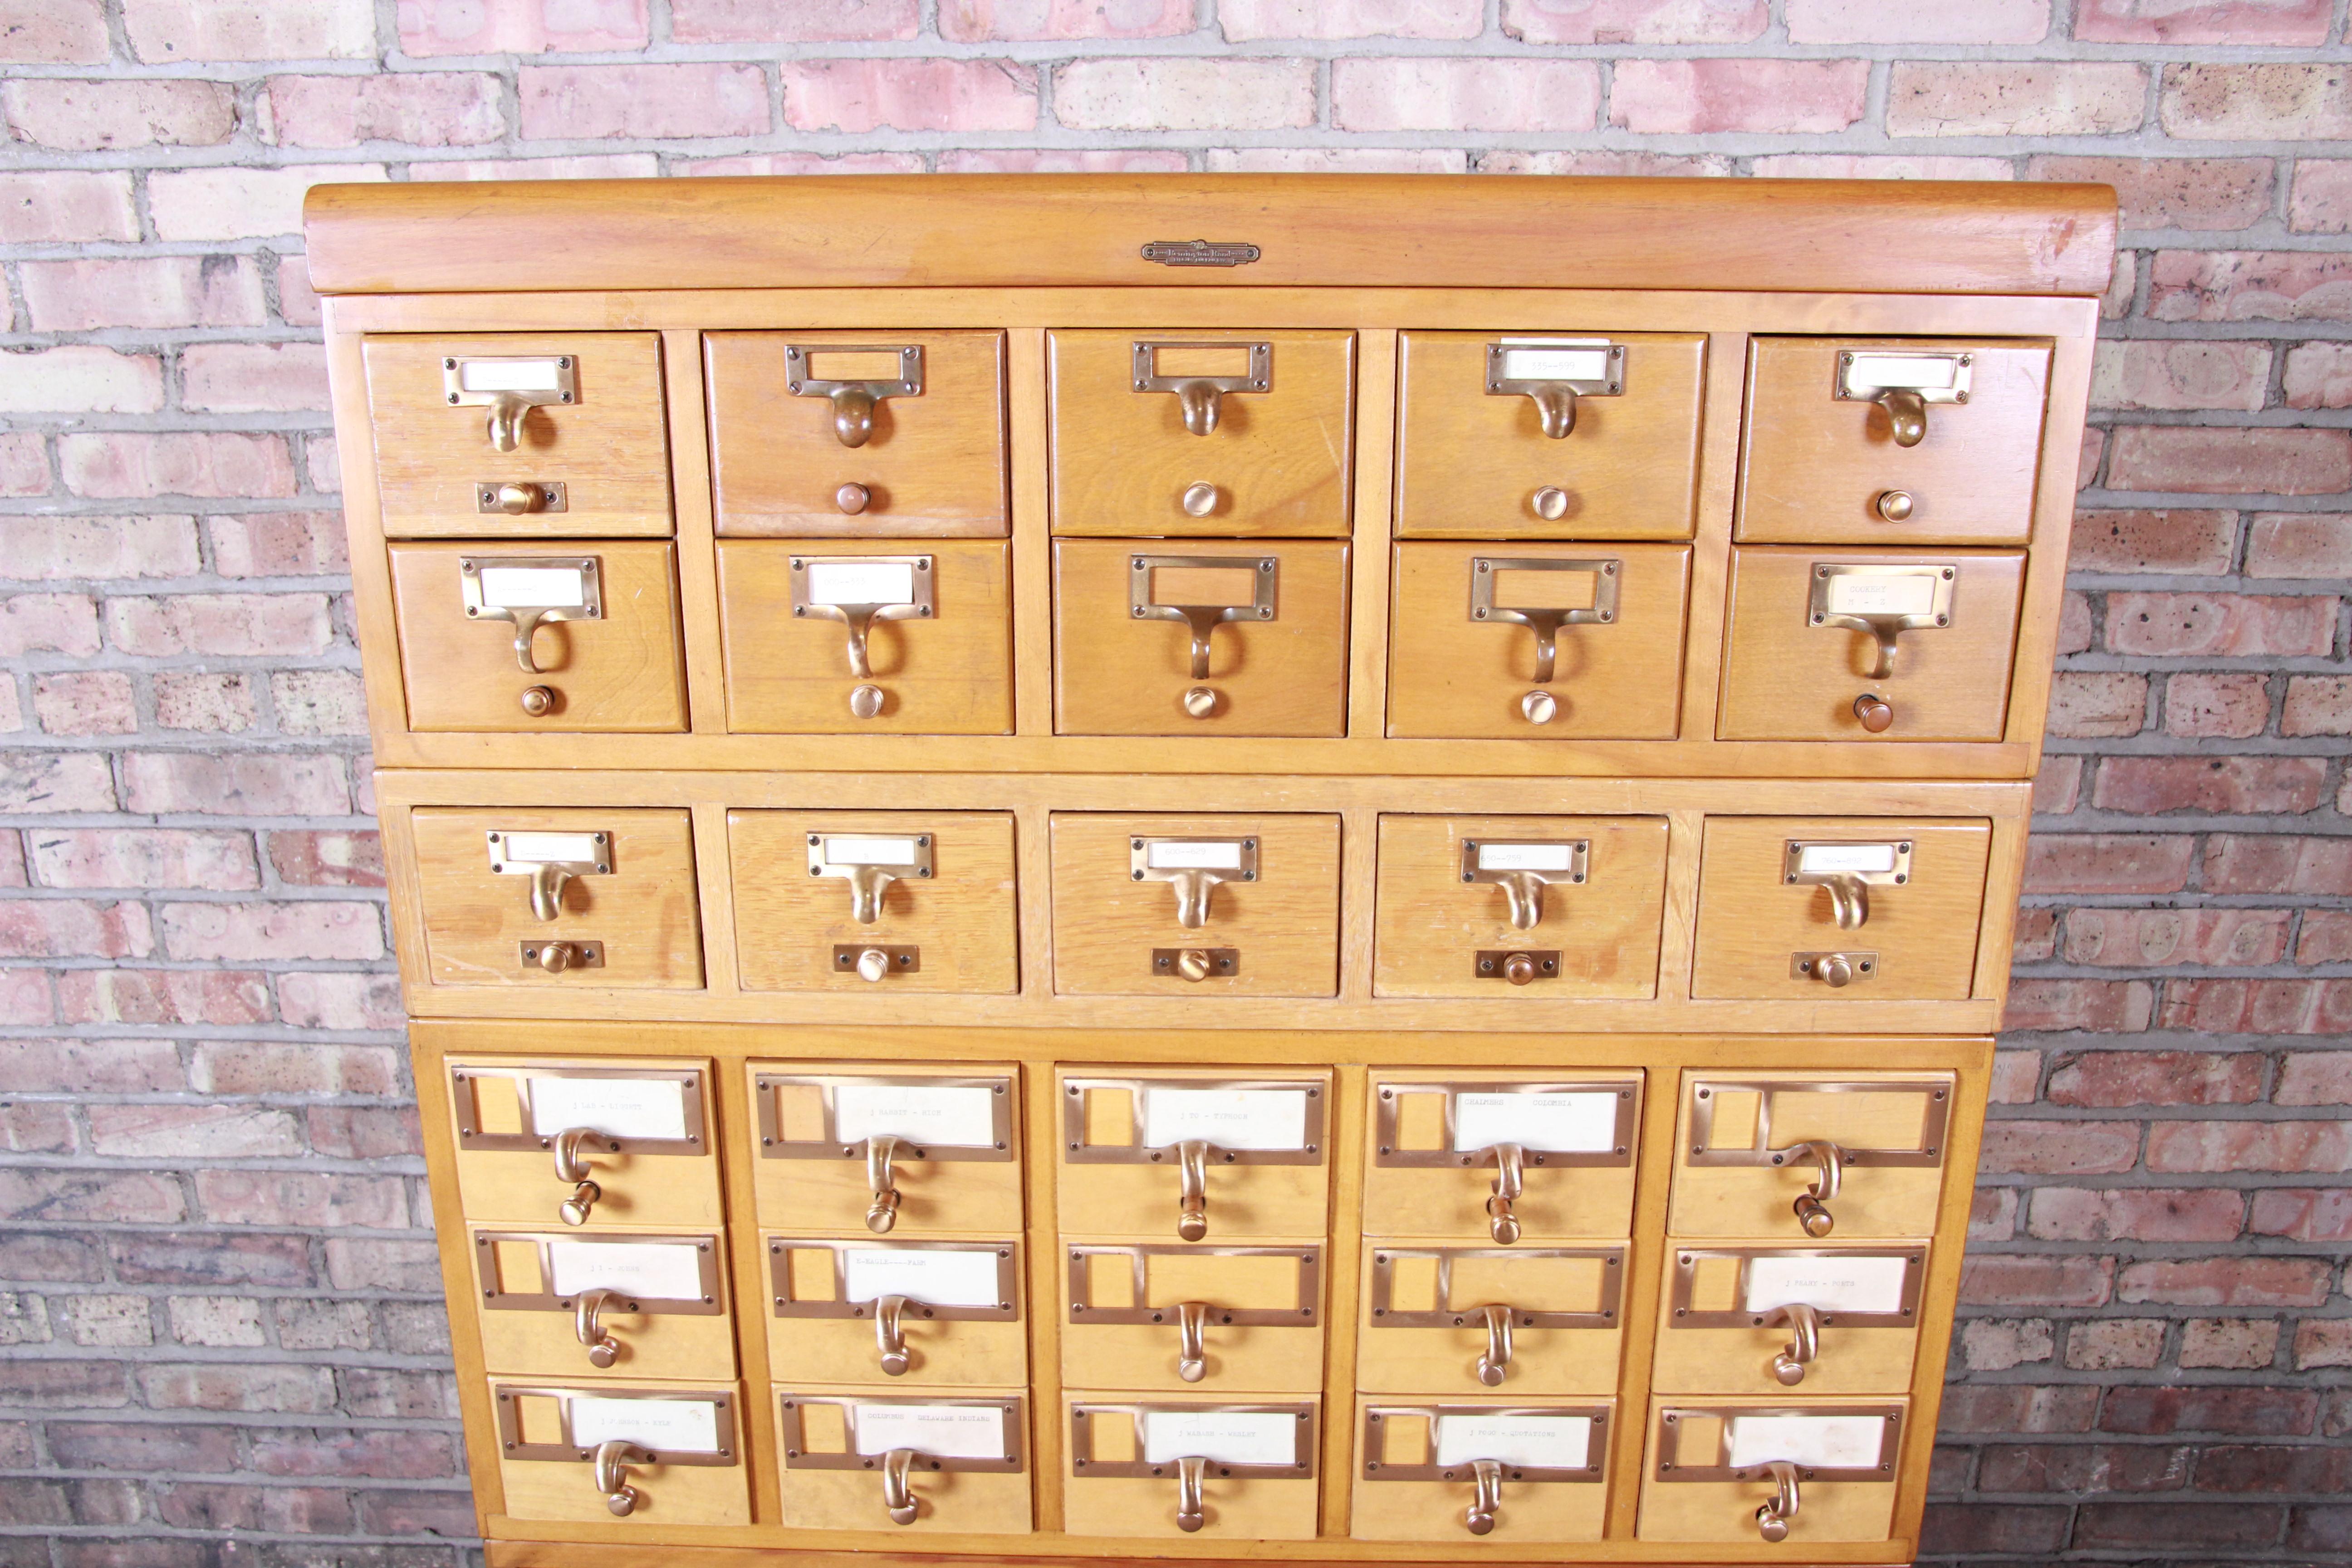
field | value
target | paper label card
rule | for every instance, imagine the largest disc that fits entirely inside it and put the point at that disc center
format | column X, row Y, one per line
column 942, row 1431
column 1824, row 1442
column 532, row 587
column 1538, row 1442
column 616, row 1107
column 1924, row 373
column 1578, row 1123
column 861, row 581
column 1832, row 857
column 963, row 1278
column 509, row 375
column 1225, row 1118
column 577, row 848
column 661, row 1271
column 677, row 1425
column 1912, row 594
column 1555, row 361
column 1831, row 1284
column 841, row 850
column 1527, row 857
column 1225, row 857
column 962, row 1116
column 1226, row 1437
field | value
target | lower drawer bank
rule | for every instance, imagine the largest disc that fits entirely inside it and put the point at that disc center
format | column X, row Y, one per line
column 1374, row 1297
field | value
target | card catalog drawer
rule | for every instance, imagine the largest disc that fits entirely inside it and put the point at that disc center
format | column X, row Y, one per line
column 1502, row 1158
column 537, row 434
column 622, row 1456
column 1500, row 1470
column 577, row 1304
column 1754, row 1320
column 1169, row 1469
column 1532, row 1319
column 927, row 1463
column 1797, row 1155
column 1169, row 1316
column 899, row 1313
column 1764, row 1472
column 608, row 1142
column 1196, row 1154
column 913, row 1148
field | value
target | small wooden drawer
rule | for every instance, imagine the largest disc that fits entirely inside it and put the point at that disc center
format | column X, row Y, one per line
column 578, row 897
column 1796, row 1157
column 898, row 1314
column 1503, row 1470
column 1549, row 436
column 965, row 1469
column 1753, row 1472
column 1532, row 1320
column 857, row 434
column 1177, row 1468
column 625, row 1457
column 563, row 1304
column 524, row 435
column 850, row 900
column 608, row 1143
column 904, row 1149
column 1176, row 1317
column 1474, row 626
column 1829, row 908
column 1194, row 1155
column 1768, row 1319
column 1200, row 637
column 1196, row 906
column 1828, row 645
column 880, row 636
column 1892, row 440
column 567, row 635
column 1189, row 432
column 1519, row 906
column 1502, row 1158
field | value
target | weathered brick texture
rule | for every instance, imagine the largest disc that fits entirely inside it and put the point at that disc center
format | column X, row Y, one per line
column 217, row 1314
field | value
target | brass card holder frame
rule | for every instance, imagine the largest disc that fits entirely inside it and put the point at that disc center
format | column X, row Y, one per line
column 1523, row 890
column 511, row 1445
column 1084, row 1464
column 1934, row 1118
column 1386, row 1109
column 1077, row 1151
column 471, row 1138
column 854, row 399
column 1672, row 1414
column 794, row 1438
column 1884, row 628
column 782, row 1303
column 1682, row 1283
column 529, row 618
column 1301, row 1314
column 1594, row 1467
column 860, row 618
column 549, row 877
column 708, row 1303
column 773, row 1145
column 1555, row 397
column 509, row 407
column 1545, row 621
column 1905, row 399
column 869, row 879
column 1849, row 891
column 1202, row 620
column 1383, row 1314
column 1194, row 884
column 1201, row 397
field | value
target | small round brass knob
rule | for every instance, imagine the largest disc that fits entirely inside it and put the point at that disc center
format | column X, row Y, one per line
column 539, row 702
column 622, row 1503
column 853, row 499
column 604, row 1352
column 1192, row 964
column 896, row 1363
column 1874, row 711
column 555, row 957
column 1788, row 1369
column 516, row 499
column 1191, row 1227
column 1835, row 972
column 1200, row 500
column 1816, row 1219
column 865, row 701
column 1538, row 707
column 1518, row 969
column 1490, row 1373
column 1480, row 1523
column 872, row 965
column 1893, row 505
column 1201, row 701
column 1551, row 503
column 1771, row 1526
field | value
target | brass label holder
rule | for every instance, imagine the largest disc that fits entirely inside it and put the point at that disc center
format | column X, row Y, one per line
column 793, row 1433
column 860, row 611
column 1201, row 397
column 1904, row 382
column 1671, row 1416
column 1544, row 621
column 686, row 1081
column 507, row 1397
column 1202, row 620
column 1682, row 1283
column 706, row 1304
column 1555, row 373
column 773, row 1145
column 1386, row 1103
column 863, row 864
column 1077, row 1151
column 1383, row 1314
column 527, row 852
column 782, row 1303
column 488, row 600
column 1881, row 599
column 1083, row 1463
column 1523, row 868
column 1300, row 1313
column 1429, row 1469
column 853, row 400
column 509, row 387
column 1935, row 1114
column 1848, row 869
column 1193, row 867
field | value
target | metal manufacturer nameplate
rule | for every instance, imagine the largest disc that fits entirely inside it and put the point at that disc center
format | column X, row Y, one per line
column 1201, row 253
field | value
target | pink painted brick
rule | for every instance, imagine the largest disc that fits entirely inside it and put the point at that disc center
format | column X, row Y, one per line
column 278, row 544
column 37, row 549
column 35, row 1129
column 2326, row 937
column 214, row 700
column 224, row 624
column 254, row 378
column 2321, row 199
column 319, row 701
column 327, row 857
column 2147, row 938
column 911, row 95
column 111, row 116
column 80, row 378
column 367, row 1265
column 2122, row 287
column 12, row 858
column 242, row 203
column 1427, row 93
column 2315, row 1077
column 2097, row 1006
column 2259, row 1007
column 2173, row 192
column 423, row 109
column 2225, row 625
column 297, row 304
column 2226, row 1283
column 193, row 1132
column 144, row 858
column 2242, row 785
column 1330, row 160
column 66, row 205
column 1248, row 21
column 2199, row 461
column 131, row 465
column 48, row 622
column 303, row 1199
column 1173, row 93
column 2277, row 863
column 223, row 1385
column 142, row 291
column 1876, row 22
column 2234, row 22
column 340, row 1000
column 49, row 782
column 2136, row 1214
column 792, row 21
column 2216, row 706
column 712, row 98
column 1061, row 161
column 2075, row 623
column 2157, row 372
column 1609, row 166
column 2180, row 539
column 23, row 463
column 2302, row 1214
column 2299, row 544
column 171, row 31
column 1634, row 21
column 1703, row 97
column 2103, row 703
column 2317, row 705
column 258, row 932
column 2256, row 102
column 91, row 1067
column 2010, row 1282
column 74, row 928
column 88, row 1197
column 1874, row 166
column 53, row 32
column 86, row 702
column 815, row 163
column 521, row 26
column 288, row 1067
column 234, row 786
column 2060, row 1148
column 588, row 166
column 227, row 996
column 2318, row 375
column 2250, row 286
column 2006, row 98
column 2086, row 463
column 1007, row 21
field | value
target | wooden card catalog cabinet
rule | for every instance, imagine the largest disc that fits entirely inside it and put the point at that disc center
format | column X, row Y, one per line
column 1121, row 869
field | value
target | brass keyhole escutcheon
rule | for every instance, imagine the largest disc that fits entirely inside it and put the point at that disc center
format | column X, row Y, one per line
column 1201, row 701
column 1200, row 500
column 539, row 702
column 1893, row 505
column 1550, row 503
column 1874, row 711
column 853, row 499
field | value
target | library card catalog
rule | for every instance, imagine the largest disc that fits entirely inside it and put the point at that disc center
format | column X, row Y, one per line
column 677, row 1425
column 1833, row 1284
column 1223, row 1437
column 959, row 1276
column 1582, row 1123
column 1225, row 1118
column 942, row 1431
column 1538, row 1442
column 616, row 1107
column 1825, row 1442
column 960, row 1115
column 654, row 1271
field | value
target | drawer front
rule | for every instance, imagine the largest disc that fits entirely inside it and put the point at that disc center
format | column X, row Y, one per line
column 567, row 635
column 525, row 435
column 1767, row 1320
column 592, row 1304
column 1502, row 1158
column 877, row 901
column 1143, row 903
column 1176, row 1317
column 896, row 1314
column 882, row 637
column 582, row 897
column 1264, row 1168
column 1175, row 432
column 1763, row 1472
column 856, row 435
column 1473, row 623
column 1824, row 908
column 965, row 1470
column 1549, row 436
column 1892, row 441
column 1798, row 1157
column 1199, row 639
column 1830, row 645
column 1177, row 1468
column 906, row 1149
column 603, row 1144
column 656, row 1454
column 1500, row 1470
column 1578, row 901
column 1526, row 1320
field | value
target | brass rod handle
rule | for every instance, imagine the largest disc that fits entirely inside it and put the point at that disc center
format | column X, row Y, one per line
column 1772, row 1518
column 570, row 1158
column 506, row 417
column 881, row 1183
column 527, row 624
column 859, row 618
column 1804, row 1341
column 1190, row 1512
column 1812, row 1207
column 890, row 1337
column 603, row 1350
column 1510, row 1182
column 1191, row 1341
column 898, row 1496
column 1193, row 1189
column 1487, row 1501
column 613, row 1460
column 1495, row 1361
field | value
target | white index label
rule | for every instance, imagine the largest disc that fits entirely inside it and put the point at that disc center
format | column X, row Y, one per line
column 843, row 850
column 861, row 581
column 534, row 588
column 1222, row 856
column 1225, row 1118
column 1555, row 361
column 1924, row 373
column 942, row 1431
column 1224, row 1436
column 1550, row 1123
column 1911, row 593
column 657, row 1272
column 1821, row 857
column 616, row 1107
column 509, row 375
column 542, row 847
column 960, row 1115
column 966, row 1277
column 1826, row 1442
column 671, row 1425
column 1538, row 1442
column 1527, row 857
column 1831, row 1284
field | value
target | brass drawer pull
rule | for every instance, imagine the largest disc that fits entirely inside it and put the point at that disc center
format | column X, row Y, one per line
column 1523, row 870
column 1193, row 868
column 1847, row 871
column 1885, row 600
column 1904, row 383
column 1554, row 372
column 532, row 591
column 853, row 400
column 552, row 860
column 613, row 1457
column 869, row 862
column 858, row 589
column 1201, row 397
column 1203, row 619
column 1772, row 1518
column 509, row 387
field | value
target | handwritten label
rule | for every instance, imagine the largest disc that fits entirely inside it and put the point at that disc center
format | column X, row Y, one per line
column 942, row 1431
column 1226, row 1437
column 1225, row 1118
column 1225, row 857
column 841, row 850
column 960, row 1115
column 671, row 1425
column 966, row 1277
column 1527, row 857
column 1575, row 360
column 1552, row 1123
column 1831, row 1284
column 1833, row 857
column 532, row 587
column 861, row 581
column 509, row 375
column 1539, row 1442
column 1925, row 372
column 1912, row 594
column 1827, row 1442
column 616, row 1107
column 661, row 1271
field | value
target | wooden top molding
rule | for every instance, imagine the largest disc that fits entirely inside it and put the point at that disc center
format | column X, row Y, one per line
column 1311, row 230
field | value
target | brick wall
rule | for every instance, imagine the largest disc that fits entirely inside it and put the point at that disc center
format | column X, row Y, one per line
column 217, row 1295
